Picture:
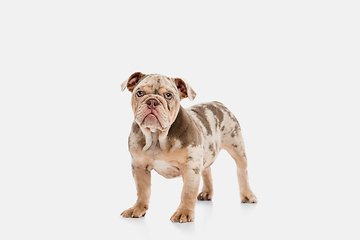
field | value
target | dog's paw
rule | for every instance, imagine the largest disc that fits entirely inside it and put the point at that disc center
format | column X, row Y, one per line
column 204, row 196
column 183, row 216
column 248, row 198
column 135, row 212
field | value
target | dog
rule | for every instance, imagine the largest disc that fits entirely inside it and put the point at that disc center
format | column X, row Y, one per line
column 178, row 142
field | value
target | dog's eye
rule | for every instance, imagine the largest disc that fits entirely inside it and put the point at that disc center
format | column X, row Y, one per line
column 168, row 96
column 140, row 93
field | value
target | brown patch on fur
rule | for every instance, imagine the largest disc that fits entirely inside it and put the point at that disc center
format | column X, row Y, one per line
column 235, row 131
column 225, row 109
column 234, row 145
column 196, row 170
column 140, row 138
column 200, row 111
column 135, row 128
column 148, row 168
column 217, row 113
column 211, row 148
column 189, row 159
column 184, row 129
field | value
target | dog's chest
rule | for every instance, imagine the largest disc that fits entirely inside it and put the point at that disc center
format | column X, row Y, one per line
column 166, row 169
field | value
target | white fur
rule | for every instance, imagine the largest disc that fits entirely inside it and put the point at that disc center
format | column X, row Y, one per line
column 165, row 169
column 176, row 145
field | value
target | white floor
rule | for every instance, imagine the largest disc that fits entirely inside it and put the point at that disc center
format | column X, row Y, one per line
column 308, row 203
column 289, row 70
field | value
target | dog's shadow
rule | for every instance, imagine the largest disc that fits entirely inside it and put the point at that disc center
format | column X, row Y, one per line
column 247, row 208
column 188, row 228
column 205, row 211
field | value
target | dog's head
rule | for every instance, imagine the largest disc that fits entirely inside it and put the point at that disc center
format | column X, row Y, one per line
column 156, row 99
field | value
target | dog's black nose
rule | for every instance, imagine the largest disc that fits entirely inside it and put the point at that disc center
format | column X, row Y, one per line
column 152, row 103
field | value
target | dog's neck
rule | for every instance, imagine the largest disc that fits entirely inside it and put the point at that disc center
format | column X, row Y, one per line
column 155, row 139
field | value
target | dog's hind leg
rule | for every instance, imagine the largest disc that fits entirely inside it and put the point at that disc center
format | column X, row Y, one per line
column 235, row 147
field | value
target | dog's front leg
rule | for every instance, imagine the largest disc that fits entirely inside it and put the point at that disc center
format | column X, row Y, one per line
column 185, row 211
column 142, row 177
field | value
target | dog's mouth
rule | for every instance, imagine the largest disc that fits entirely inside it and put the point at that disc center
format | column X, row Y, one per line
column 151, row 117
column 152, row 121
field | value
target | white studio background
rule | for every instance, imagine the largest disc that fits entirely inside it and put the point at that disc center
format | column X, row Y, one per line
column 289, row 70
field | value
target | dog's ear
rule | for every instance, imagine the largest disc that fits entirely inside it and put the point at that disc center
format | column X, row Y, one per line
column 184, row 89
column 133, row 80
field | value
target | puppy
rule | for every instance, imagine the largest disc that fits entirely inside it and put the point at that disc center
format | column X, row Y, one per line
column 178, row 142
